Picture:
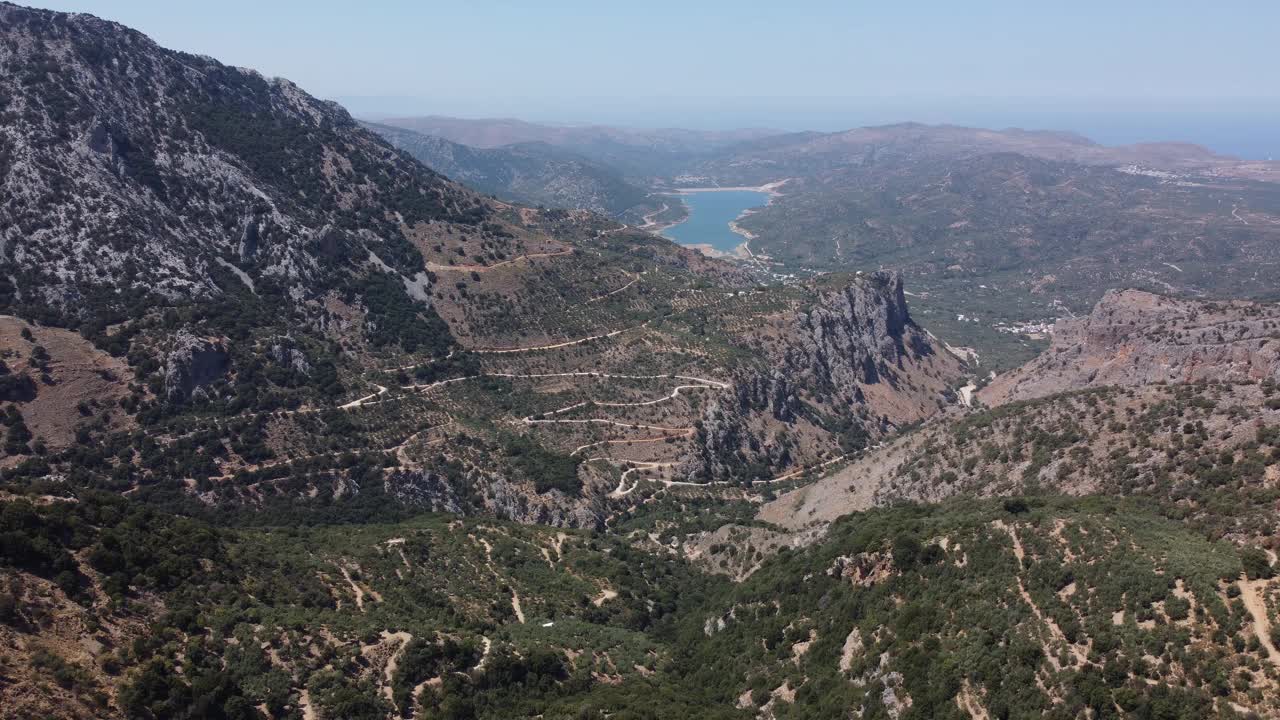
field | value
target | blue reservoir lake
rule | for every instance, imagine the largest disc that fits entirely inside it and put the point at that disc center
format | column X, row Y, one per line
column 709, row 216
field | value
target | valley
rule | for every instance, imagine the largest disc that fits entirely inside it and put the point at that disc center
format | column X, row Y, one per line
column 994, row 230
column 307, row 417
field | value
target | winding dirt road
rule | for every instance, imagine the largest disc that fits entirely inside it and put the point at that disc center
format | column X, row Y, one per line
column 1251, row 593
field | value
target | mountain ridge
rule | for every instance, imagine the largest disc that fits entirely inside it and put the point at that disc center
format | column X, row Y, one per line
column 532, row 173
column 635, row 152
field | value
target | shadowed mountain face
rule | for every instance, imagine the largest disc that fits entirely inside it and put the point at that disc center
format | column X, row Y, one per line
column 533, row 173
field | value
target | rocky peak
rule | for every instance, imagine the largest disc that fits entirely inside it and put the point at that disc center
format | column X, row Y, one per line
column 856, row 335
column 855, row 358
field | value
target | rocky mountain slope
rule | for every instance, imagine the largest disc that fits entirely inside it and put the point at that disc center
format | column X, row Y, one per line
column 1134, row 338
column 532, row 173
column 1050, row 608
column 967, row 610
column 138, row 175
column 1147, row 395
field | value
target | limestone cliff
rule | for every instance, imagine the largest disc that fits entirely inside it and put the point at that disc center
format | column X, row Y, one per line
column 851, row 368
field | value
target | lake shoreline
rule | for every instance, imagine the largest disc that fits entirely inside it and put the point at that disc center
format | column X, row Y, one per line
column 770, row 188
column 741, row 251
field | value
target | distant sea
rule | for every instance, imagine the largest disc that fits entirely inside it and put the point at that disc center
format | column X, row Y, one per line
column 1251, row 137
column 1244, row 128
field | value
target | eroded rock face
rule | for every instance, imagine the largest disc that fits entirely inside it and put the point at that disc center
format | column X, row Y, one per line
column 286, row 354
column 856, row 336
column 854, row 360
column 484, row 493
column 249, row 239
column 1136, row 338
column 424, row 489
column 193, row 364
column 863, row 569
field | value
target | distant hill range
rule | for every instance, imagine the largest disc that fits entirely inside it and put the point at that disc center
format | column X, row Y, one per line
column 1012, row 225
column 533, row 173
column 632, row 151
column 763, row 159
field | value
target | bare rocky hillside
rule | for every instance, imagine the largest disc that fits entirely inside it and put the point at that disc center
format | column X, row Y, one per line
column 1147, row 395
column 854, row 365
column 1135, row 338
column 136, row 174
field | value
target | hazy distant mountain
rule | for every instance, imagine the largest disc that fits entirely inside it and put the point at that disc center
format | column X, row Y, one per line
column 533, row 173
column 1006, row 225
column 632, row 151
column 809, row 154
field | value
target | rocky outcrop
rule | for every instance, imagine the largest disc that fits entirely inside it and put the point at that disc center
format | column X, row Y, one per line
column 249, row 239
column 486, row 493
column 514, row 501
column 424, row 489
column 1137, row 338
column 286, row 354
column 193, row 364
column 864, row 569
column 854, row 366
column 859, row 335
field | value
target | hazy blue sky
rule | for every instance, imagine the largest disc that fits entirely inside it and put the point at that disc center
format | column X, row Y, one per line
column 730, row 62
